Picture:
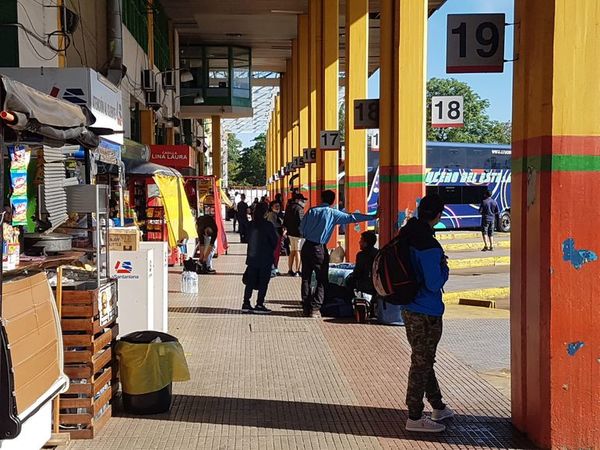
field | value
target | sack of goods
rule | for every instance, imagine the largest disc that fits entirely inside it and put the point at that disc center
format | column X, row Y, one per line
column 388, row 313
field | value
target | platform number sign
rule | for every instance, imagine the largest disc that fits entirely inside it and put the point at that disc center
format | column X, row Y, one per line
column 475, row 43
column 366, row 114
column 310, row 155
column 298, row 162
column 330, row 140
column 447, row 112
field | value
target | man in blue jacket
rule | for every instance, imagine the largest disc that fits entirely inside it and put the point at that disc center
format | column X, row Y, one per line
column 423, row 317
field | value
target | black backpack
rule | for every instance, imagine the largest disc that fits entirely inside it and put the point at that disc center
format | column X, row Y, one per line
column 393, row 276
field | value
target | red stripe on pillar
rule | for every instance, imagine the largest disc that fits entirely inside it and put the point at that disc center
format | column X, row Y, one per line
column 556, row 145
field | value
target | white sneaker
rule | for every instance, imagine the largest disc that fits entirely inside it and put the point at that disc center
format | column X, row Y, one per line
column 424, row 425
column 441, row 414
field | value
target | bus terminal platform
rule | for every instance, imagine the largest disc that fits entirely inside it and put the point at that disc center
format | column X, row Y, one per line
column 282, row 381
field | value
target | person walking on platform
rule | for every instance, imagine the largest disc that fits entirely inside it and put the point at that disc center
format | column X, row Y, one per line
column 274, row 217
column 423, row 316
column 316, row 227
column 262, row 241
column 294, row 213
column 236, row 199
column 489, row 213
column 242, row 217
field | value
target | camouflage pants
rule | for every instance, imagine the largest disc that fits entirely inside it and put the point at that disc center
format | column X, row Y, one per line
column 424, row 333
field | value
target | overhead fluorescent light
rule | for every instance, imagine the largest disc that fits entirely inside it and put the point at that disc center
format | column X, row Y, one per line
column 286, row 11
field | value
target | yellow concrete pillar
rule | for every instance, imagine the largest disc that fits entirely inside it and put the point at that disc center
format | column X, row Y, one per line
column 402, row 111
column 283, row 133
column 303, row 96
column 170, row 138
column 278, row 187
column 150, row 26
column 216, row 148
column 147, row 117
column 555, row 339
column 357, row 59
column 295, row 110
column 289, row 151
column 329, row 96
column 314, row 68
column 147, row 129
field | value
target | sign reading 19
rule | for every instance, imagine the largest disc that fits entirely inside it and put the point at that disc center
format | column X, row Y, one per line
column 475, row 43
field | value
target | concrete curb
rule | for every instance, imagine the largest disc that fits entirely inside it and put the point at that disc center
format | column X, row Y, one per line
column 478, row 262
column 453, row 298
column 466, row 246
column 448, row 236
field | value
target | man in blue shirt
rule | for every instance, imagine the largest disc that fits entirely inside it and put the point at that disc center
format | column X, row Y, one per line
column 316, row 227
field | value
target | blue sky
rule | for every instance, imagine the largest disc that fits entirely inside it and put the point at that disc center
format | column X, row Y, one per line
column 497, row 88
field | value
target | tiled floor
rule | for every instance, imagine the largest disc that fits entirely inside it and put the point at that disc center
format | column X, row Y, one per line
column 286, row 382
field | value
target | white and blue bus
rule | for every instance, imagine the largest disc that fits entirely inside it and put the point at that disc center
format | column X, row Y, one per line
column 460, row 174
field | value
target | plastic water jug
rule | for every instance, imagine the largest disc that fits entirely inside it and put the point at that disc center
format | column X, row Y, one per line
column 189, row 282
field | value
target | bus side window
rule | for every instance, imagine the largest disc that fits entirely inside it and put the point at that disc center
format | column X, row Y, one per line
column 451, row 195
column 473, row 195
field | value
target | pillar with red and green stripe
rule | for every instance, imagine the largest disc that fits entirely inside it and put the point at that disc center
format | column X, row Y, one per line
column 402, row 112
column 555, row 311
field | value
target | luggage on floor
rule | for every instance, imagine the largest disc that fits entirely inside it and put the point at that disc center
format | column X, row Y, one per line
column 337, row 307
column 388, row 313
column 337, row 302
column 363, row 306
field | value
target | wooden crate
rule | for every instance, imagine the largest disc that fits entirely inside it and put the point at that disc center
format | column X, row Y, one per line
column 89, row 311
column 88, row 339
column 86, row 405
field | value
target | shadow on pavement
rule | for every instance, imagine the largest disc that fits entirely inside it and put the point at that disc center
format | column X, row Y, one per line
column 210, row 310
column 471, row 430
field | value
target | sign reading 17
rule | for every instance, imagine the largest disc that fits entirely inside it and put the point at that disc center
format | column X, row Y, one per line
column 330, row 140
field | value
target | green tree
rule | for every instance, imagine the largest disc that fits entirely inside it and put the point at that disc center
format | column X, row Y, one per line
column 479, row 128
column 252, row 167
column 234, row 153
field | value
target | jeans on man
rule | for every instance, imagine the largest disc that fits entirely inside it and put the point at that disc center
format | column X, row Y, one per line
column 424, row 333
column 315, row 258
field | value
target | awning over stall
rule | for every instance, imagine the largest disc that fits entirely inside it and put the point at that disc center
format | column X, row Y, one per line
column 181, row 223
column 178, row 213
column 56, row 121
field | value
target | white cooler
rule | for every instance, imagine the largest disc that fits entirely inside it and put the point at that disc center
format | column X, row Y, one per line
column 135, row 274
column 160, row 252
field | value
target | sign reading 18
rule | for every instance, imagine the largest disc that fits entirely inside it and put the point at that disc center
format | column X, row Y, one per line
column 453, row 112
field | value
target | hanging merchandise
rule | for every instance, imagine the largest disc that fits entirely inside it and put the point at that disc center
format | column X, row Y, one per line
column 19, row 161
column 54, row 195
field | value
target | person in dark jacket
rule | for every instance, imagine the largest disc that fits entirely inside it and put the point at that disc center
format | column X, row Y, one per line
column 489, row 214
column 360, row 278
column 294, row 213
column 262, row 240
column 242, row 217
column 273, row 217
column 423, row 316
column 207, row 239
